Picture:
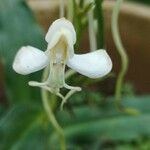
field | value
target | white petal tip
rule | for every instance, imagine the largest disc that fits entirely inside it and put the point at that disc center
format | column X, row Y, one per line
column 18, row 70
column 31, row 83
column 104, row 66
column 80, row 89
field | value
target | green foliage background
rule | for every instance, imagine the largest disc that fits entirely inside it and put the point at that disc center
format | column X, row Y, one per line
column 142, row 1
column 92, row 123
column 17, row 28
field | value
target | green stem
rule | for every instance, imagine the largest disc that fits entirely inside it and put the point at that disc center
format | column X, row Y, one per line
column 121, row 51
column 77, row 21
column 51, row 116
column 100, row 23
column 70, row 11
column 92, row 38
column 124, row 59
column 61, row 8
column 69, row 73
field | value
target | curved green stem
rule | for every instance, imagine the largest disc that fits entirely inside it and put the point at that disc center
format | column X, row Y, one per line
column 121, row 51
column 51, row 116
column 124, row 58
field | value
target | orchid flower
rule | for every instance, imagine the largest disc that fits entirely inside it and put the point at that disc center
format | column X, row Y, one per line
column 61, row 38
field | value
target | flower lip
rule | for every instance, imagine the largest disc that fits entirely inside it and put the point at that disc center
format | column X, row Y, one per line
column 59, row 53
column 67, row 38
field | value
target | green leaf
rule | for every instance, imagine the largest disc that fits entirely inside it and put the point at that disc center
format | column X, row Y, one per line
column 142, row 1
column 91, row 123
column 2, row 110
column 16, row 122
column 36, row 137
column 106, row 110
column 120, row 128
column 17, row 28
column 27, row 127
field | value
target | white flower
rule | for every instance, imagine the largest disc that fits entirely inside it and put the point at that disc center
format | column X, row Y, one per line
column 61, row 38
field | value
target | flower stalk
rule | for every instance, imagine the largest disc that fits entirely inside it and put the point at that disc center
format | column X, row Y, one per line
column 51, row 116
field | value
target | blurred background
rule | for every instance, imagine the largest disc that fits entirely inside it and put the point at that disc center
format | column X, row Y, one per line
column 90, row 119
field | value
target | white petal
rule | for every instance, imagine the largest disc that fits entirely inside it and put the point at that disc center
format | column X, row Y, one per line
column 61, row 27
column 29, row 59
column 58, row 25
column 93, row 65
